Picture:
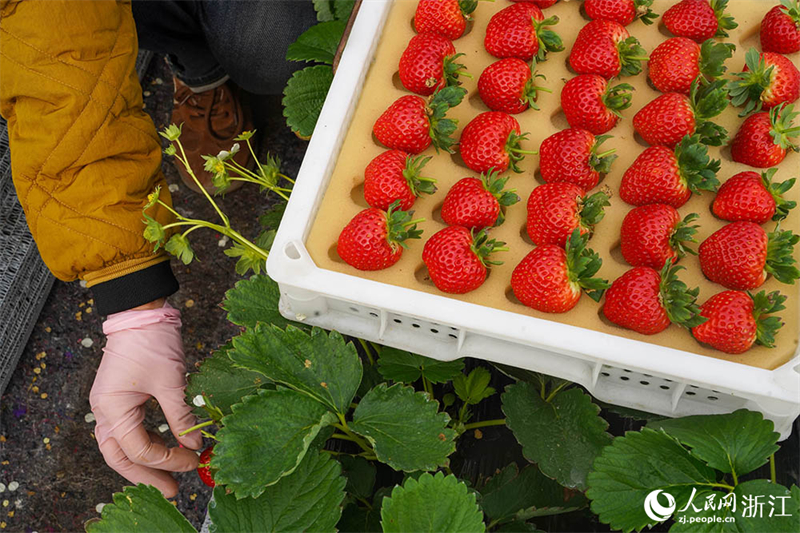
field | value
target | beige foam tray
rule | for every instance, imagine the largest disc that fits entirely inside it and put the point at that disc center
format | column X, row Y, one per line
column 344, row 196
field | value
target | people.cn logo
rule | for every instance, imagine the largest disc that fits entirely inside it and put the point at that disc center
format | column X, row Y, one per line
column 655, row 510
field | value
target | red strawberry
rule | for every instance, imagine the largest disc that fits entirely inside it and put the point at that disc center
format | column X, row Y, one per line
column 653, row 235
column 395, row 175
column 672, row 116
column 520, row 31
column 780, row 29
column 445, row 17
column 736, row 320
column 542, row 4
column 606, row 48
column 412, row 124
column 477, row 203
column 457, row 259
column 764, row 138
column 699, row 19
column 678, row 61
column 663, row 176
column 768, row 80
column 550, row 278
column 648, row 302
column 491, row 140
column 740, row 255
column 622, row 11
column 752, row 197
column 590, row 103
column 571, row 156
column 509, row 85
column 428, row 63
column 555, row 210
column 205, row 471
column 374, row 239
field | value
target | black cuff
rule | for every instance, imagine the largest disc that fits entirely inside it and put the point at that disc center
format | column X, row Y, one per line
column 135, row 289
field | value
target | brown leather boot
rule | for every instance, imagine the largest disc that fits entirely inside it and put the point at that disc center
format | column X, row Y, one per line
column 211, row 120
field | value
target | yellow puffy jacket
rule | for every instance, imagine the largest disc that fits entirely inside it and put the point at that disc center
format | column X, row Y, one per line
column 84, row 155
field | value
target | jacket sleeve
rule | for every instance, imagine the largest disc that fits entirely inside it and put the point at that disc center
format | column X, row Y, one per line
column 84, row 155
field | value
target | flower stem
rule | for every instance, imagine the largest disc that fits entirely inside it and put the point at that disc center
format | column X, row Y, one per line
column 196, row 427
column 342, row 426
column 555, row 391
column 486, row 423
column 367, row 351
column 185, row 162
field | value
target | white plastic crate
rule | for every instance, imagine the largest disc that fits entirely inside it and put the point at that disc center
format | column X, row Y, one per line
column 616, row 370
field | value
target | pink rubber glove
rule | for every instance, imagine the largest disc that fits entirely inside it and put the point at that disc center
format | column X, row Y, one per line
column 143, row 358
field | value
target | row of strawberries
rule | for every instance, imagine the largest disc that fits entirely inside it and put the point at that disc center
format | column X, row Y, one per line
column 560, row 215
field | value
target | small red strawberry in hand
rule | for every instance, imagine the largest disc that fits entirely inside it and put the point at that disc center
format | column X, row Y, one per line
column 374, row 239
column 555, row 210
column 678, row 61
column 589, row 102
column 672, row 116
column 780, row 28
column 699, row 19
column 606, row 48
column 491, row 140
column 412, row 124
column 457, row 258
column 647, row 302
column 428, row 63
column 445, row 17
column 768, row 80
column 764, row 138
column 550, row 279
column 521, row 31
column 653, row 235
column 395, row 175
column 622, row 11
column 204, row 470
column 509, row 85
column 571, row 156
column 478, row 203
column 752, row 197
column 736, row 320
column 740, row 255
column 663, row 176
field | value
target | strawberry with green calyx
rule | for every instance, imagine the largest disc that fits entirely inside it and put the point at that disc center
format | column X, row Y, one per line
column 555, row 210
column 678, row 61
column 478, row 203
column 699, row 19
column 653, row 235
column 754, row 198
column 737, row 320
column 780, row 28
column 521, row 31
column 663, row 176
column 204, row 468
column 551, row 278
column 741, row 255
column 622, row 11
column 589, row 102
column 764, row 138
column 396, row 176
column 457, row 258
column 445, row 17
column 648, row 301
column 605, row 48
column 429, row 63
column 768, row 80
column 411, row 124
column 374, row 239
column 571, row 156
column 509, row 85
column 672, row 116
column 492, row 140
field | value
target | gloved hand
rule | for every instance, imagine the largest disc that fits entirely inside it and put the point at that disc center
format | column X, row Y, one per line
column 143, row 358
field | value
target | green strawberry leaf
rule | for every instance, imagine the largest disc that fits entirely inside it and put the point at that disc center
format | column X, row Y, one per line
column 308, row 499
column 735, row 443
column 356, row 519
column 271, row 218
column 318, row 43
column 275, row 424
column 255, row 300
column 407, row 367
column 303, row 97
column 320, row 365
column 342, row 9
column 179, row 246
column 140, row 508
column 562, row 435
column 249, row 259
column 473, row 388
column 360, row 475
column 405, row 428
column 431, row 504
